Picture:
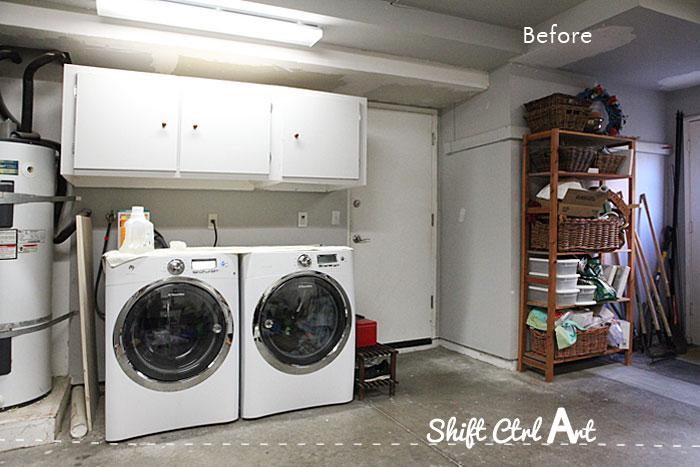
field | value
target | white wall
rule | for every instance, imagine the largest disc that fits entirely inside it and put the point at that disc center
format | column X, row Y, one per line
column 479, row 169
column 245, row 218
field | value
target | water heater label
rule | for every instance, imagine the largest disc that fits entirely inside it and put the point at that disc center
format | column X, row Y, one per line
column 29, row 240
column 9, row 167
column 8, row 244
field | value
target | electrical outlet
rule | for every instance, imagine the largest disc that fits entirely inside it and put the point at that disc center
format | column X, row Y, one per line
column 335, row 217
column 462, row 215
column 212, row 217
column 303, row 219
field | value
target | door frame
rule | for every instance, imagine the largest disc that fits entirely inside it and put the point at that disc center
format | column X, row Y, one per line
column 434, row 202
column 687, row 234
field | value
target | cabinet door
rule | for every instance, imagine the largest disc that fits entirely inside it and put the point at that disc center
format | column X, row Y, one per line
column 320, row 136
column 126, row 121
column 225, row 128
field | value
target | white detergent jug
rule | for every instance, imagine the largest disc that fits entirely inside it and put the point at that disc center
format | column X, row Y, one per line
column 138, row 236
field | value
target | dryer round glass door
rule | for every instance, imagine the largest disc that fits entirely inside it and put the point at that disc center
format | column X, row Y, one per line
column 173, row 334
column 302, row 322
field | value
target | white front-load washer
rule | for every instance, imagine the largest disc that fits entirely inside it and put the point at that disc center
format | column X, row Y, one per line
column 297, row 329
column 172, row 351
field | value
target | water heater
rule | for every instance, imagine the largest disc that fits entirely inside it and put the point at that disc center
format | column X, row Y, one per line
column 26, row 263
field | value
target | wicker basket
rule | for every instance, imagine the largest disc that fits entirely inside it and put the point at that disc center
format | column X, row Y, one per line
column 557, row 111
column 571, row 158
column 580, row 234
column 608, row 163
column 591, row 341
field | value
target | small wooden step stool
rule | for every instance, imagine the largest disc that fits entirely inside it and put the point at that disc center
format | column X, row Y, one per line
column 362, row 357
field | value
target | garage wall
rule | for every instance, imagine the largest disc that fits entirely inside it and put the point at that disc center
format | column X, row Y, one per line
column 479, row 170
column 245, row 218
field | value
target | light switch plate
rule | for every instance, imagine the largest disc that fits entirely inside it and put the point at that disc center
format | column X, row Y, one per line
column 462, row 215
column 335, row 217
column 303, row 219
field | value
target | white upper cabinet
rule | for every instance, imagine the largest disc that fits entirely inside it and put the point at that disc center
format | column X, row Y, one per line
column 225, row 128
column 125, row 122
column 143, row 130
column 320, row 135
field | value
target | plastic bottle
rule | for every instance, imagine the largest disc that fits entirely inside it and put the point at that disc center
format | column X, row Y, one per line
column 138, row 236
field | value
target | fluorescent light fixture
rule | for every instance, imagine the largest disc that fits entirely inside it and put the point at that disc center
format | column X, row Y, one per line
column 213, row 16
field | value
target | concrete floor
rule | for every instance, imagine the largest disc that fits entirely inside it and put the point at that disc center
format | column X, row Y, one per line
column 634, row 427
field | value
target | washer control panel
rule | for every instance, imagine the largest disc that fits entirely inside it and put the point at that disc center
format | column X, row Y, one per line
column 204, row 265
column 176, row 267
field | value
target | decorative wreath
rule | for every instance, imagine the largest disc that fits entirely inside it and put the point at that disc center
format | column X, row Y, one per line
column 611, row 106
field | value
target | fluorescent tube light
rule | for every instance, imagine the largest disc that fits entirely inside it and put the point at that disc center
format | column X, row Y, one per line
column 212, row 17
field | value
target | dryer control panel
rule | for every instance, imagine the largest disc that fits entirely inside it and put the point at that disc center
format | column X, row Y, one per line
column 329, row 260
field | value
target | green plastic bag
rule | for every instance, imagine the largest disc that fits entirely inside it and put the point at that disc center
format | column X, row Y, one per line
column 592, row 274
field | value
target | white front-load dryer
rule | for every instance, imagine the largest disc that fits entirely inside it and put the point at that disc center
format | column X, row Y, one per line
column 297, row 329
column 172, row 352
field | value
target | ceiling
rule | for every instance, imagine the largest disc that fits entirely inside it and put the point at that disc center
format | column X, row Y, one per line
column 654, row 51
column 430, row 53
column 509, row 13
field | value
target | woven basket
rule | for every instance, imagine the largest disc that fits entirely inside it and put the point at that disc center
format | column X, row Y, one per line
column 557, row 111
column 571, row 158
column 608, row 163
column 580, row 234
column 591, row 341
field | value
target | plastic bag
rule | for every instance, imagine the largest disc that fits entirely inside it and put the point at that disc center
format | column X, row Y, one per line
column 592, row 274
column 616, row 336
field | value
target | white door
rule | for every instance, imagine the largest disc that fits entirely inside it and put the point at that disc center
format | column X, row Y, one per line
column 392, row 226
column 126, row 122
column 225, row 128
column 692, row 291
column 320, row 135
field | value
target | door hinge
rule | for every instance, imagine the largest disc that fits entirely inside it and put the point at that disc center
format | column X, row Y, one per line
column 271, row 105
column 432, row 220
column 270, row 158
column 690, row 227
column 432, row 302
column 434, row 138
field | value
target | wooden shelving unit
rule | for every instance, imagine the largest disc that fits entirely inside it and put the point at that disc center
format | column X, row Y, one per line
column 527, row 358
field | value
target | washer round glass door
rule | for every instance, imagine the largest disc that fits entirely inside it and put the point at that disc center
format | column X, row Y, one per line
column 173, row 334
column 302, row 322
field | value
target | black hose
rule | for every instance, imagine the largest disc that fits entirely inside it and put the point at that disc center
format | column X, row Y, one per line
column 159, row 240
column 216, row 233
column 69, row 229
column 100, row 268
column 13, row 55
column 28, row 85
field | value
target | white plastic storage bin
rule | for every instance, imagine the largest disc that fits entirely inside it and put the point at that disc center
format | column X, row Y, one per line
column 564, row 296
column 565, row 267
column 586, row 294
column 567, row 282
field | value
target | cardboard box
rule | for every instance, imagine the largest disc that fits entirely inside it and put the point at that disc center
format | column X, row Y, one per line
column 580, row 203
column 583, row 203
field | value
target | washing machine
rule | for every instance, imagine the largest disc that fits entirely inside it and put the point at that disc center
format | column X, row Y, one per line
column 297, row 329
column 172, row 340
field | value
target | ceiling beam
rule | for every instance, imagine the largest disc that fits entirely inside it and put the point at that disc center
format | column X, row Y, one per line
column 93, row 31
column 382, row 14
